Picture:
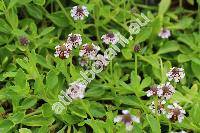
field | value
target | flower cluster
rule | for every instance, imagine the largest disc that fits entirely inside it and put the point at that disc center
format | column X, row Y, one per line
column 89, row 51
column 164, row 92
column 74, row 40
column 127, row 119
column 164, row 33
column 79, row 12
column 110, row 38
column 63, row 51
column 176, row 74
column 160, row 107
column 175, row 113
column 76, row 90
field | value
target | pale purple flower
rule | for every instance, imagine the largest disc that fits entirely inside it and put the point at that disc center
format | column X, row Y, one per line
column 154, row 91
column 79, row 12
column 160, row 107
column 175, row 113
column 127, row 119
column 102, row 59
column 74, row 39
column 110, row 38
column 164, row 33
column 63, row 51
column 76, row 90
column 176, row 74
column 89, row 50
column 167, row 89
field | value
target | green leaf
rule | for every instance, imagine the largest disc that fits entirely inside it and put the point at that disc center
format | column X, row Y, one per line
column 145, row 82
column 127, row 53
column 38, row 120
column 97, row 109
column 12, row 18
column 24, row 130
column 46, row 110
column 28, row 102
column 59, row 19
column 194, row 113
column 39, row 2
column 71, row 119
column 20, row 79
column 182, row 24
column 163, row 7
column 195, row 68
column 4, row 27
column 6, row 125
column 154, row 124
column 143, row 35
column 17, row 117
column 51, row 80
column 170, row 46
column 188, row 40
column 46, row 31
column 34, row 11
column 184, row 58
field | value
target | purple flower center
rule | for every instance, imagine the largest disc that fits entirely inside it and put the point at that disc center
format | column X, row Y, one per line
column 175, row 71
column 79, row 11
column 126, row 118
column 73, row 38
column 176, row 113
column 110, row 35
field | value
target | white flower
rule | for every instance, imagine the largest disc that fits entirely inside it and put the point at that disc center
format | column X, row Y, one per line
column 164, row 33
column 110, row 38
column 160, row 107
column 63, row 51
column 176, row 74
column 154, row 90
column 175, row 113
column 89, row 50
column 167, row 89
column 74, row 40
column 79, row 12
column 103, row 59
column 127, row 119
column 76, row 90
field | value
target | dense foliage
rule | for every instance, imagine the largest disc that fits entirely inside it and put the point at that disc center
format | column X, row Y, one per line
column 129, row 95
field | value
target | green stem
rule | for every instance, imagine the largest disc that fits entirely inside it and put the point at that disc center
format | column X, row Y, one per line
column 136, row 62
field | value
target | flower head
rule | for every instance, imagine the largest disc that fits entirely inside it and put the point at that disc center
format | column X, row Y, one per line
column 127, row 119
column 104, row 60
column 110, row 38
column 89, row 50
column 74, row 40
column 153, row 91
column 137, row 48
column 167, row 89
column 63, row 51
column 175, row 113
column 160, row 107
column 79, row 12
column 164, row 33
column 24, row 40
column 76, row 90
column 176, row 74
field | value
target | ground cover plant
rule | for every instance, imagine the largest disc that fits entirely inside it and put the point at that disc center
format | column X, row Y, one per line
column 102, row 66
